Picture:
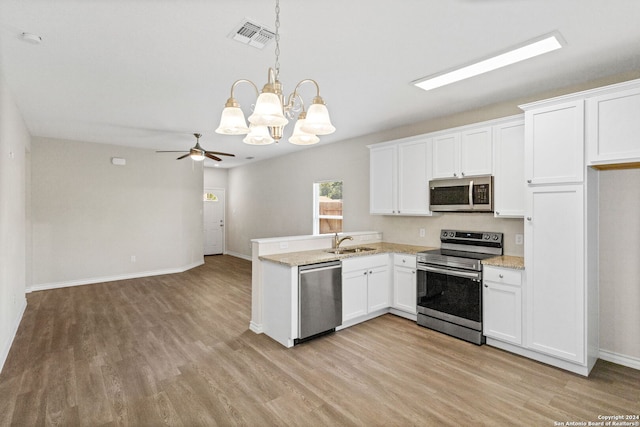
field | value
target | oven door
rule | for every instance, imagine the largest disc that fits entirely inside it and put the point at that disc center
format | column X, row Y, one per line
column 451, row 295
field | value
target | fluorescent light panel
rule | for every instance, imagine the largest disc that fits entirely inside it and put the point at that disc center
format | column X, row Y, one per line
column 530, row 49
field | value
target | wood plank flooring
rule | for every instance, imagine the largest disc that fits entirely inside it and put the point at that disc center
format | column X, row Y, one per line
column 176, row 350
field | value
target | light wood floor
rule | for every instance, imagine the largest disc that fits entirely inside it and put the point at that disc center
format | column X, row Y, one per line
column 176, row 350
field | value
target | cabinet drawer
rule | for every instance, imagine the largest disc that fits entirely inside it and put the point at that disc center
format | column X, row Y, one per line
column 505, row 276
column 404, row 260
column 364, row 262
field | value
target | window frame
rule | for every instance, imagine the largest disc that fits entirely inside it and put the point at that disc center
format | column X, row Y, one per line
column 316, row 207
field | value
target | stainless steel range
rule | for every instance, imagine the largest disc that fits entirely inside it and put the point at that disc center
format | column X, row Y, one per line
column 450, row 283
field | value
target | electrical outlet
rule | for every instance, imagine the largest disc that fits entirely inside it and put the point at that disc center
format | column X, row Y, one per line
column 422, row 232
column 519, row 239
column 284, row 245
column 133, row 258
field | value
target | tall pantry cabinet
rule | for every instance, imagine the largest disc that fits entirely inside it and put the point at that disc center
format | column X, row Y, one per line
column 561, row 224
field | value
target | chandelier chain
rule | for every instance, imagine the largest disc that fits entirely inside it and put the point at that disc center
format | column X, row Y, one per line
column 277, row 64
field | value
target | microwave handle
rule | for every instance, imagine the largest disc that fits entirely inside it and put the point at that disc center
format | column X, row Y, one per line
column 471, row 193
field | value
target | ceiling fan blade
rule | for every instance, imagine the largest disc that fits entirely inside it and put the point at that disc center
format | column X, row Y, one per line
column 182, row 157
column 221, row 154
column 211, row 156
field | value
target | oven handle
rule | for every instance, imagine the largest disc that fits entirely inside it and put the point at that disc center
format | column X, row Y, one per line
column 456, row 273
column 471, row 193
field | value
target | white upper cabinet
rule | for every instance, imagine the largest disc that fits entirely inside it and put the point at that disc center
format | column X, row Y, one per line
column 382, row 183
column 613, row 127
column 446, row 155
column 399, row 177
column 413, row 179
column 508, row 169
column 554, row 143
column 475, row 152
column 461, row 154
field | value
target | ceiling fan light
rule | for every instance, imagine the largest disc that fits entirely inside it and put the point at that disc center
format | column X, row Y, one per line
column 232, row 122
column 318, row 121
column 300, row 137
column 258, row 135
column 268, row 111
column 198, row 157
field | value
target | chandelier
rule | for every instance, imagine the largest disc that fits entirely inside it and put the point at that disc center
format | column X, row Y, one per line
column 272, row 110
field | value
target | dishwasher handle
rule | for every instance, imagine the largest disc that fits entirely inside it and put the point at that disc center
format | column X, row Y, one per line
column 319, row 267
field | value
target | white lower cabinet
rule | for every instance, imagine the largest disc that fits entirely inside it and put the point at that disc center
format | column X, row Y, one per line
column 365, row 286
column 502, row 304
column 404, row 283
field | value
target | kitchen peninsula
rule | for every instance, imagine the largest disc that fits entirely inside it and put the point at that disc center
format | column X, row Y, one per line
column 275, row 279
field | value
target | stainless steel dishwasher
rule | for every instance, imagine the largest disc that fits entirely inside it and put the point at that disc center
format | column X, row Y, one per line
column 319, row 299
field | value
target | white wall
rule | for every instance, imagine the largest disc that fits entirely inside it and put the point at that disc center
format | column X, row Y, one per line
column 215, row 177
column 14, row 146
column 620, row 262
column 90, row 217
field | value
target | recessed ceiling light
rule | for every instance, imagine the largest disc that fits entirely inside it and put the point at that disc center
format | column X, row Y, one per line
column 31, row 38
column 527, row 50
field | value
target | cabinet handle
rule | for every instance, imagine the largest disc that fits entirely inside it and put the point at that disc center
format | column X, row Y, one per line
column 370, row 272
column 413, row 271
column 528, row 181
column 404, row 260
column 501, row 276
column 529, row 218
column 497, row 213
column 462, row 173
column 455, row 175
column 486, row 286
column 365, row 273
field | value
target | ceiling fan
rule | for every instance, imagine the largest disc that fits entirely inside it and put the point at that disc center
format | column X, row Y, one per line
column 198, row 153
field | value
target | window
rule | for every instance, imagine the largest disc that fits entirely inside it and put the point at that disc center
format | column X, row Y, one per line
column 327, row 207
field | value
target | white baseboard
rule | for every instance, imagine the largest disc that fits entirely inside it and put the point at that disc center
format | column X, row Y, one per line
column 7, row 345
column 238, row 255
column 92, row 280
column 620, row 359
column 257, row 328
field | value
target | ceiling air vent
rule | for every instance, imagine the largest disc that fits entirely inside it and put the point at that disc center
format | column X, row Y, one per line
column 256, row 35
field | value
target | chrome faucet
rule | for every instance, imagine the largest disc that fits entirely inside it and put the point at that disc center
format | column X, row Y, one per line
column 337, row 240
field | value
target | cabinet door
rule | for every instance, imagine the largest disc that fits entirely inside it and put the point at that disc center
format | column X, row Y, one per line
column 508, row 182
column 382, row 185
column 446, row 156
column 502, row 312
column 476, row 152
column 354, row 294
column 378, row 288
column 404, row 289
column 554, row 256
column 613, row 127
column 413, row 179
column 554, row 144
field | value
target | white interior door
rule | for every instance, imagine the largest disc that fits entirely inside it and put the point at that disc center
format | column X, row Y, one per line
column 214, row 200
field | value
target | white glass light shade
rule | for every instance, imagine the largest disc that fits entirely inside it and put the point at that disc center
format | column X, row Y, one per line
column 300, row 137
column 268, row 111
column 258, row 135
column 197, row 157
column 317, row 121
column 232, row 122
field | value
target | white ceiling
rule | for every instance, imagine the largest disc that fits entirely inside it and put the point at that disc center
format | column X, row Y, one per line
column 149, row 73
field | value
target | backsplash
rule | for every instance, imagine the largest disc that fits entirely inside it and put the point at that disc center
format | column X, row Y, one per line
column 405, row 229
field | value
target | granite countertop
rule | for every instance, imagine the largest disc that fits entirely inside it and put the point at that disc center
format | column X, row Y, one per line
column 294, row 259
column 505, row 261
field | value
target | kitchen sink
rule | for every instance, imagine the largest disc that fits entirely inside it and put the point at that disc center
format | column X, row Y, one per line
column 350, row 250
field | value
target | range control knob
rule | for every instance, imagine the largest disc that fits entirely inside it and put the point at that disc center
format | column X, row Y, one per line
column 485, row 237
column 495, row 237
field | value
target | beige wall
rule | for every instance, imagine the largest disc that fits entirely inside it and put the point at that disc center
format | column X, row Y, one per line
column 14, row 148
column 620, row 262
column 90, row 217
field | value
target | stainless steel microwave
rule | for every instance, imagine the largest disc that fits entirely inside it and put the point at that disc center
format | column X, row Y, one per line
column 461, row 194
